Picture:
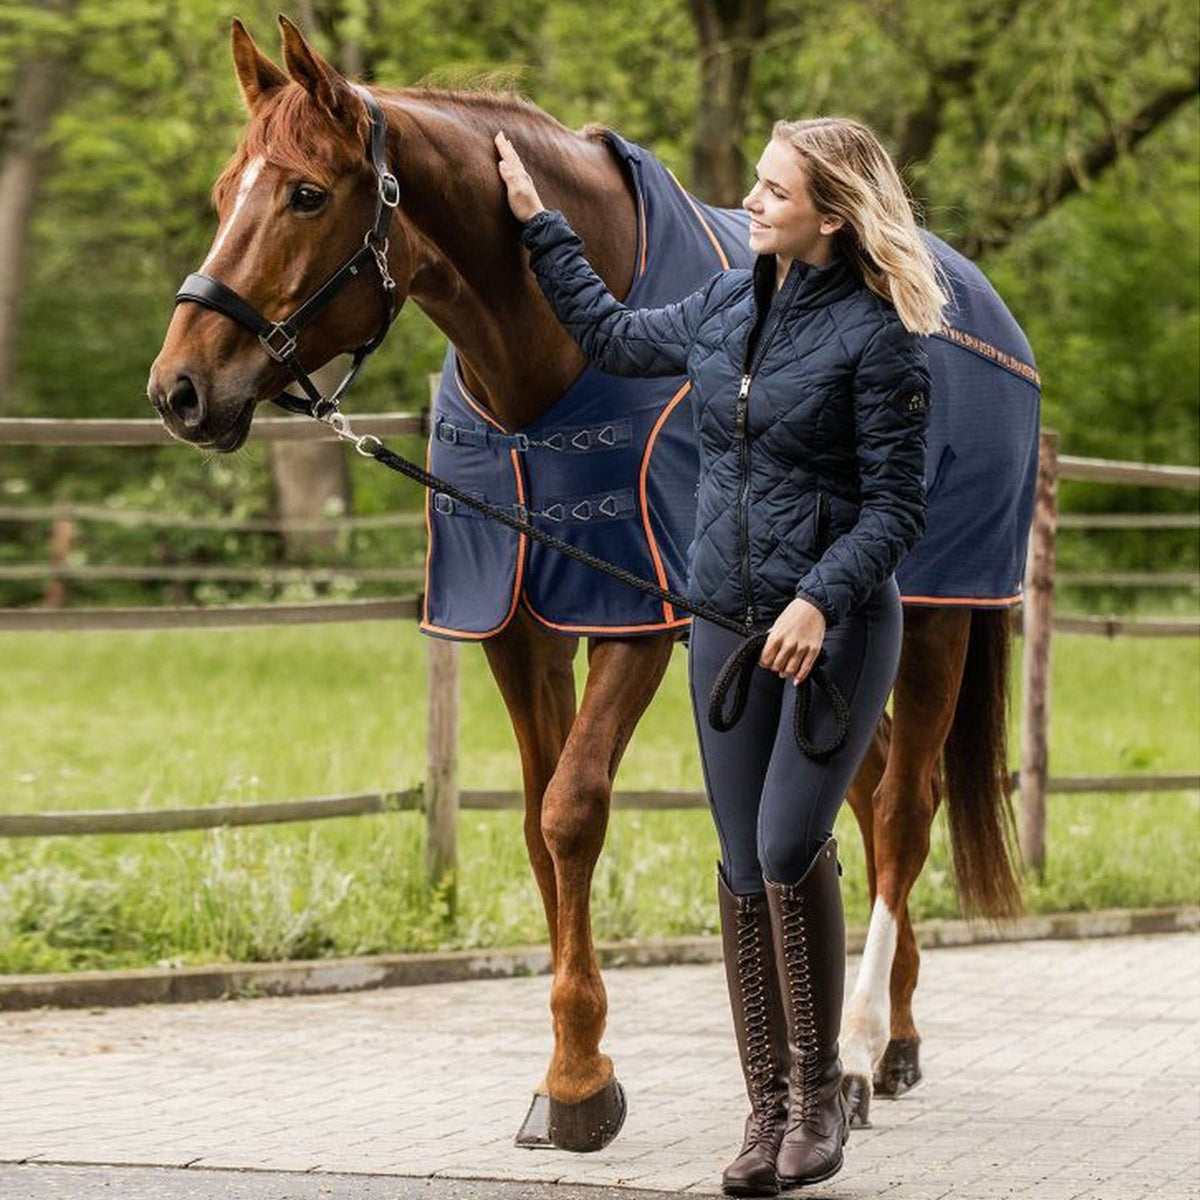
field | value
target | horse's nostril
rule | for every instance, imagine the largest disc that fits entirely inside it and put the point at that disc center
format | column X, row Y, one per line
column 186, row 403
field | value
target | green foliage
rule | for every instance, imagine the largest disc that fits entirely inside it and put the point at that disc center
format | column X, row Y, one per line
column 1106, row 284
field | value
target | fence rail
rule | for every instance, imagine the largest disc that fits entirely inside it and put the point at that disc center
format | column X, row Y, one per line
column 1132, row 579
column 36, row 431
column 323, row 808
column 1188, row 520
column 158, row 520
column 1104, row 470
column 227, row 616
column 169, row 573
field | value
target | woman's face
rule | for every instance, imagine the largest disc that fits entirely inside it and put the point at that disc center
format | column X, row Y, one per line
column 783, row 218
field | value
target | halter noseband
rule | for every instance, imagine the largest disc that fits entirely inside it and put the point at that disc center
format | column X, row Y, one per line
column 278, row 338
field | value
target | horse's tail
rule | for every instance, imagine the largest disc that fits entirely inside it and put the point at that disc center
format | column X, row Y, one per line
column 975, row 770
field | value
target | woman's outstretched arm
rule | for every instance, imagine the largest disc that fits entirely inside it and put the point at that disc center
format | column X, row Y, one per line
column 617, row 339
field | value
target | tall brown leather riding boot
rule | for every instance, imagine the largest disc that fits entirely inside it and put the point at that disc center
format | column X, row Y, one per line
column 809, row 932
column 762, row 1040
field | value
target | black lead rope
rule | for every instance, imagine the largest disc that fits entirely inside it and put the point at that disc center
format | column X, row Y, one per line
column 279, row 339
column 739, row 666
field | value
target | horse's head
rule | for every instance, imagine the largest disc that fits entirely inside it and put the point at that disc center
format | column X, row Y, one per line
column 294, row 203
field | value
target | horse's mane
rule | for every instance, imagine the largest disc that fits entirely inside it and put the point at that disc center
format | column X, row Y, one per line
column 288, row 132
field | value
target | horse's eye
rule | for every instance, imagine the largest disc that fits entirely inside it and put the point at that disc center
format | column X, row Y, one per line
column 306, row 198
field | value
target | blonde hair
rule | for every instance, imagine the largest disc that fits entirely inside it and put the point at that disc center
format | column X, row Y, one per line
column 850, row 175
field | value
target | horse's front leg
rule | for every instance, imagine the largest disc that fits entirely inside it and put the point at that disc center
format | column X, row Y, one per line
column 534, row 670
column 587, row 1104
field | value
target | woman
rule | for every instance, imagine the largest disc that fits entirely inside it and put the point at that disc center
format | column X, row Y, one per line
column 809, row 389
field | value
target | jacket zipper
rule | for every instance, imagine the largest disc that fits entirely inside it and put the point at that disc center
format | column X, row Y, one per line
column 822, row 523
column 774, row 312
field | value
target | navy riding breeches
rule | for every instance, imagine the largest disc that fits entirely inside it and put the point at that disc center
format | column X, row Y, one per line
column 773, row 806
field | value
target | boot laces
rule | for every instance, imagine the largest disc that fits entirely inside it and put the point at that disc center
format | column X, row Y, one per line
column 800, row 994
column 752, row 978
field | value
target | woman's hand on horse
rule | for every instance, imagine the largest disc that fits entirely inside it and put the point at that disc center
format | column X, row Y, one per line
column 794, row 641
column 522, row 195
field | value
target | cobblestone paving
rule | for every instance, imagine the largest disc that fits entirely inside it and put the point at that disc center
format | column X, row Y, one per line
column 1056, row 1070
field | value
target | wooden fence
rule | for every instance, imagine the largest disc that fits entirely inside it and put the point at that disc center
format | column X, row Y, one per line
column 1038, row 621
column 439, row 797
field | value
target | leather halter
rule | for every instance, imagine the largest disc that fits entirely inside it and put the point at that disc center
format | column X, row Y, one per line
column 279, row 338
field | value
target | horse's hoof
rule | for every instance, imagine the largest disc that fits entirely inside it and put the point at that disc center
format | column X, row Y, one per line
column 534, row 1133
column 857, row 1092
column 592, row 1123
column 899, row 1069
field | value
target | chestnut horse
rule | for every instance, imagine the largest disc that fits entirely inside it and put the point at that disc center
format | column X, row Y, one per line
column 293, row 203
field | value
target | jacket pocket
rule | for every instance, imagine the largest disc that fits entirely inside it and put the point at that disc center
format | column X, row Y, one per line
column 822, row 539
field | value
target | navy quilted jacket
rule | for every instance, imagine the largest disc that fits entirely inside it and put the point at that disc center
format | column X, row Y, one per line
column 810, row 408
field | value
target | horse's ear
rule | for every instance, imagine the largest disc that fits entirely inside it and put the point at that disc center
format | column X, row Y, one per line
column 257, row 74
column 327, row 86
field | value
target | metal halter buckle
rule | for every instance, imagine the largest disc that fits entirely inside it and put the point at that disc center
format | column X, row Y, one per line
column 389, row 190
column 278, row 353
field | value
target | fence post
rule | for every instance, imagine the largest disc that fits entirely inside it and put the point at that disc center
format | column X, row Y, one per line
column 441, row 768
column 62, row 534
column 1037, row 621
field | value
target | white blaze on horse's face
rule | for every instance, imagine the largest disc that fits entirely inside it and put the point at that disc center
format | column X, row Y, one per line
column 249, row 177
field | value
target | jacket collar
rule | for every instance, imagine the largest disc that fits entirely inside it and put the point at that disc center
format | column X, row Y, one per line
column 815, row 287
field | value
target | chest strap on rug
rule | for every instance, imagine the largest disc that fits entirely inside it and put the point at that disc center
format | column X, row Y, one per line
column 573, row 439
column 600, row 506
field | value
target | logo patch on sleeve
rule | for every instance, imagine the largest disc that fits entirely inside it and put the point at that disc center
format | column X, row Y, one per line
column 914, row 402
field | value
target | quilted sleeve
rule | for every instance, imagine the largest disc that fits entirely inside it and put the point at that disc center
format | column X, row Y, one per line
column 891, row 402
column 618, row 340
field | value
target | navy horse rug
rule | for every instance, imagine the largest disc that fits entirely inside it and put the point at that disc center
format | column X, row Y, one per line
column 612, row 466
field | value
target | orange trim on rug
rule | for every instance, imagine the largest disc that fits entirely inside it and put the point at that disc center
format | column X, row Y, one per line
column 986, row 350
column 668, row 609
column 973, row 601
column 475, row 404
column 645, row 233
column 679, row 623
column 712, row 237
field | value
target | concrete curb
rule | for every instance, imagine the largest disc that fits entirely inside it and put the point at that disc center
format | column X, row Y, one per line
column 105, row 989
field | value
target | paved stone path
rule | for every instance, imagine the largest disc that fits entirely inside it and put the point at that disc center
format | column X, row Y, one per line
column 1059, row 1070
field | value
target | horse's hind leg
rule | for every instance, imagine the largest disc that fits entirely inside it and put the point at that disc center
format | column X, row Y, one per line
column 905, row 802
column 865, row 1020
column 533, row 667
column 587, row 1105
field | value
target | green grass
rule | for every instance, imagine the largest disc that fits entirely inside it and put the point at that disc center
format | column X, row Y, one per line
column 165, row 720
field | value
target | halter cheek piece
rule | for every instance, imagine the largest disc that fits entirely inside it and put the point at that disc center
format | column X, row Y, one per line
column 279, row 338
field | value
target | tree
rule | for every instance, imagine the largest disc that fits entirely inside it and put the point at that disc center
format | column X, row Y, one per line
column 31, row 94
column 730, row 35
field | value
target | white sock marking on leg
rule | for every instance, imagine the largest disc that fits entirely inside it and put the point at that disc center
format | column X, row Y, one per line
column 866, row 1024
